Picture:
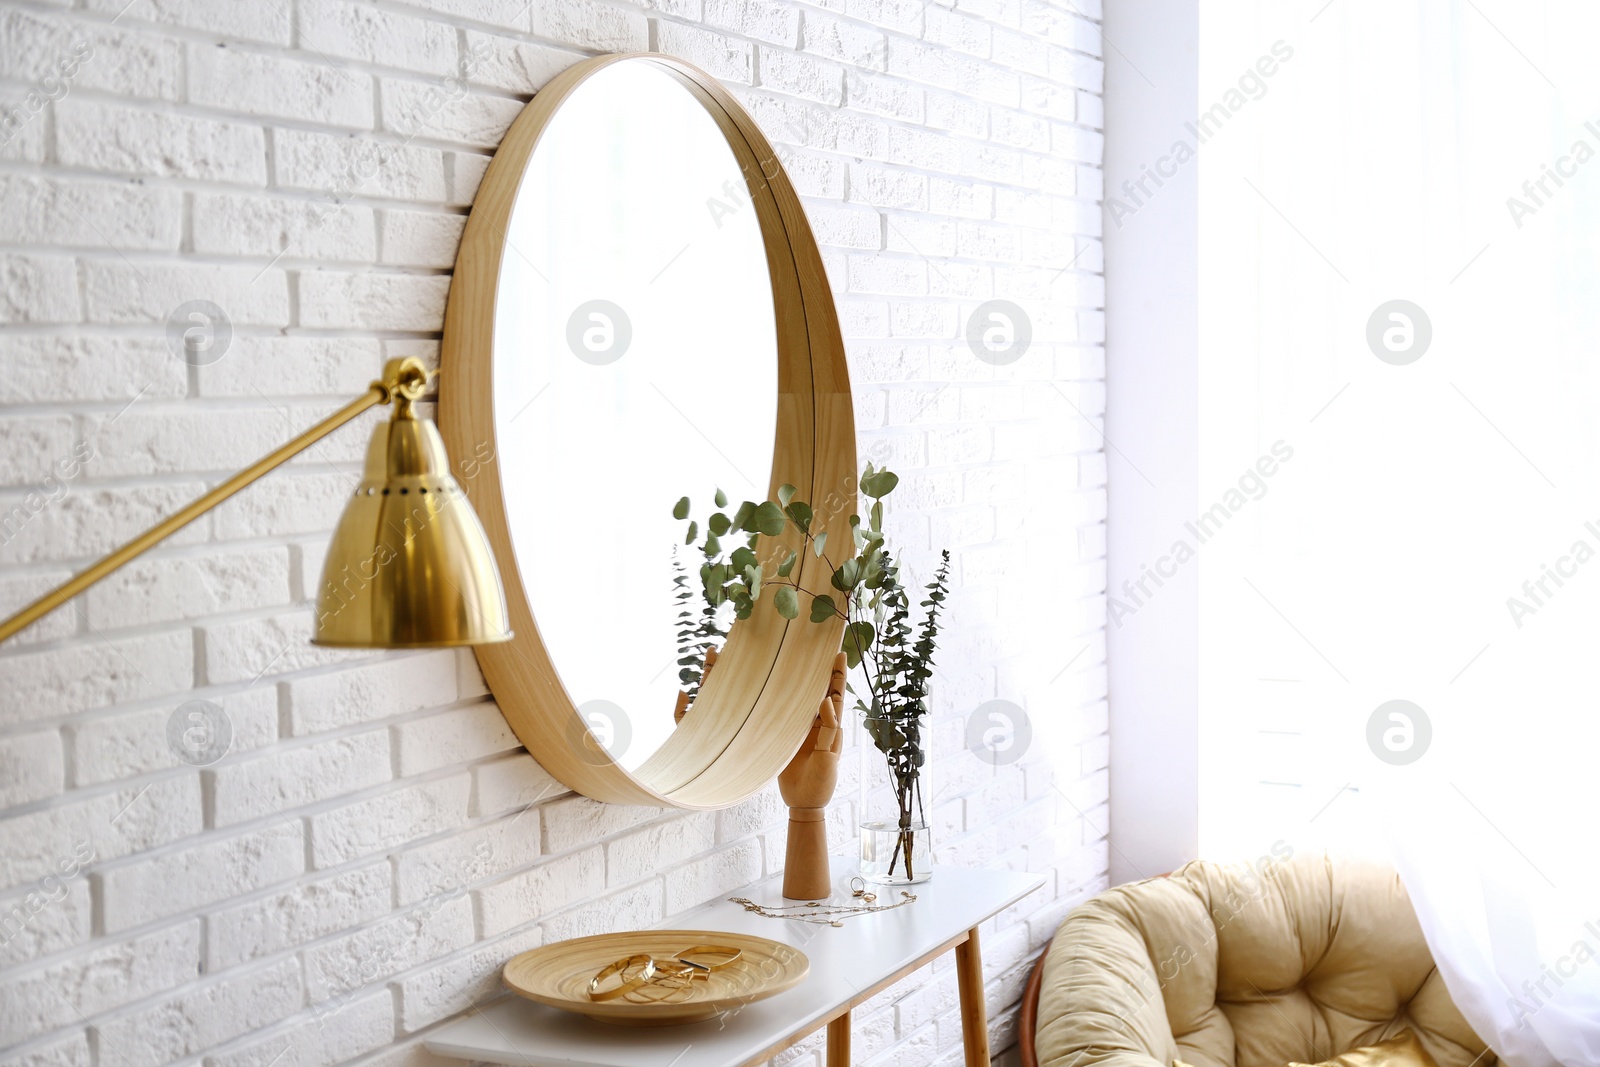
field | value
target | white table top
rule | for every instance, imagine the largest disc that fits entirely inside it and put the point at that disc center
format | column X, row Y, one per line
column 845, row 963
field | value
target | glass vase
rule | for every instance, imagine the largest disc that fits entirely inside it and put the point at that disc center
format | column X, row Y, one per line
column 896, row 841
column 892, row 856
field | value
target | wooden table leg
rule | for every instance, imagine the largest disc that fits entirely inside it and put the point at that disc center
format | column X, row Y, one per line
column 974, row 1012
column 839, row 1041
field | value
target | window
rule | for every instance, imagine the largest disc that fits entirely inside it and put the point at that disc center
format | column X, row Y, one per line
column 1399, row 258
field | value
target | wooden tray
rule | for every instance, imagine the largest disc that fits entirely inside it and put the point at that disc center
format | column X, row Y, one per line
column 558, row 975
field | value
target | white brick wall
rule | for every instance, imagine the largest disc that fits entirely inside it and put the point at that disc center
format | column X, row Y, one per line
column 375, row 843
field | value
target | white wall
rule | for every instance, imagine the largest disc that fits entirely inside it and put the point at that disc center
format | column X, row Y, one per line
column 1153, row 426
column 376, row 844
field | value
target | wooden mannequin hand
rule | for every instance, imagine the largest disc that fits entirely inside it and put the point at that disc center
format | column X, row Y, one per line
column 807, row 787
column 809, row 779
column 683, row 698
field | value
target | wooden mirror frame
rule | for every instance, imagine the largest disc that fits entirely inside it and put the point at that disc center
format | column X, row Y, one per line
column 755, row 707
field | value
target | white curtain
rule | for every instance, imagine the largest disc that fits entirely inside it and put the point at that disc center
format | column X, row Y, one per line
column 1508, row 902
column 1434, row 538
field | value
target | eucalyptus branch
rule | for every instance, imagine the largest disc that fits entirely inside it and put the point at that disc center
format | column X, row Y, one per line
column 866, row 593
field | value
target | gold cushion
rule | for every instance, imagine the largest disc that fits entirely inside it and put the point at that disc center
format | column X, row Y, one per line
column 1402, row 1050
column 1234, row 966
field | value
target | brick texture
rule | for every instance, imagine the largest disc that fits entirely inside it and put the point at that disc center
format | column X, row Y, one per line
column 375, row 842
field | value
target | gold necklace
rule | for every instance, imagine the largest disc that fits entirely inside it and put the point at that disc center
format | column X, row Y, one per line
column 813, row 911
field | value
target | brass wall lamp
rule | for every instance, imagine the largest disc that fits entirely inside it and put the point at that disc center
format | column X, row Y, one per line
column 409, row 565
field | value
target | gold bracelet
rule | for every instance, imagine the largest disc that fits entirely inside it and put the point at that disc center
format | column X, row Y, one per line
column 672, row 982
column 701, row 970
column 647, row 972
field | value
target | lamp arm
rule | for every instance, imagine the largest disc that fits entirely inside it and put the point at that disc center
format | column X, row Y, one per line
column 401, row 380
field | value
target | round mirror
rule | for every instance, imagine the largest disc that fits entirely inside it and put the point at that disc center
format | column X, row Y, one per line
column 639, row 313
column 646, row 356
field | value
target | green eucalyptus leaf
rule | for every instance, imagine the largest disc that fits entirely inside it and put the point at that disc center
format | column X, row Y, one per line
column 858, row 637
column 877, row 515
column 878, row 484
column 787, row 603
column 768, row 519
column 800, row 512
column 820, row 542
column 719, row 523
column 787, row 566
column 823, row 608
column 847, row 575
column 741, row 518
column 680, row 510
column 713, row 546
column 742, row 559
column 694, row 532
column 721, row 499
column 786, row 493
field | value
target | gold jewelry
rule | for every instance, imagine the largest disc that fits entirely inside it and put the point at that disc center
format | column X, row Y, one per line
column 701, row 970
column 661, row 983
column 670, row 983
column 858, row 888
column 647, row 972
column 813, row 911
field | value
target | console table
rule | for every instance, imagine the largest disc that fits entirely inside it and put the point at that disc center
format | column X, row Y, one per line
column 849, row 964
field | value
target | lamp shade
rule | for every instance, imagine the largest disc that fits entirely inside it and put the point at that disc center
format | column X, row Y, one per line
column 409, row 565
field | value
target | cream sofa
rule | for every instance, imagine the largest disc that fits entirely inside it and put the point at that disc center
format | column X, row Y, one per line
column 1245, row 967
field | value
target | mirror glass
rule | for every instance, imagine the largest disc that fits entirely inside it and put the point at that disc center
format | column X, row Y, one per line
column 635, row 362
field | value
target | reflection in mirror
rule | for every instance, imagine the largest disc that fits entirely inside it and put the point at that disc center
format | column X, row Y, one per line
column 635, row 361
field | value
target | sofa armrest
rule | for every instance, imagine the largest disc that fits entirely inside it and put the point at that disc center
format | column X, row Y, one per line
column 1100, row 1001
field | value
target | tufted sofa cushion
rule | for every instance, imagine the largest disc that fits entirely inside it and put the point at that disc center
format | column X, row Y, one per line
column 1241, row 966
